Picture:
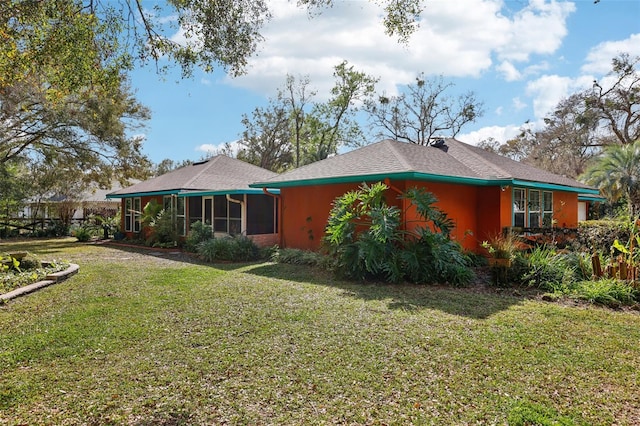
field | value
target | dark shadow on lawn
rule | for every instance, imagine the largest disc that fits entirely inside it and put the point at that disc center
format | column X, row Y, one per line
column 37, row 246
column 476, row 301
column 173, row 254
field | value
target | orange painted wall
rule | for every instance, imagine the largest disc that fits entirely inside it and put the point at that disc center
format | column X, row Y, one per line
column 490, row 221
column 460, row 204
column 305, row 211
column 565, row 209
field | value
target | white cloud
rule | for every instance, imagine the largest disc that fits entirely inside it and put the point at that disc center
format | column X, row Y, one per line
column 455, row 39
column 538, row 28
column 598, row 60
column 509, row 72
column 518, row 104
column 499, row 110
column 210, row 149
column 547, row 91
column 499, row 133
column 205, row 81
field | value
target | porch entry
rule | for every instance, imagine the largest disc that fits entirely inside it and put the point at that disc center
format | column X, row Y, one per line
column 225, row 213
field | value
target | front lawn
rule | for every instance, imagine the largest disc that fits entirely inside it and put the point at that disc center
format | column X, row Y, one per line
column 157, row 339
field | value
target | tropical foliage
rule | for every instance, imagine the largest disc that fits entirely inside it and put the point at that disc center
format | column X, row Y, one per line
column 617, row 175
column 365, row 239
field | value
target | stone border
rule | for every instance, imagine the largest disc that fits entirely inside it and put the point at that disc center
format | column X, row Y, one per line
column 52, row 278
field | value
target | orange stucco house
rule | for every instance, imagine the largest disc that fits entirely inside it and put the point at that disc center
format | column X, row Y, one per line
column 216, row 192
column 481, row 191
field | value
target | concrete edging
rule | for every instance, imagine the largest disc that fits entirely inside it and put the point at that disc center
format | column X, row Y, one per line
column 52, row 278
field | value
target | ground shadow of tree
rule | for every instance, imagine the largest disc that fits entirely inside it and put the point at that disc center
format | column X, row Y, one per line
column 476, row 301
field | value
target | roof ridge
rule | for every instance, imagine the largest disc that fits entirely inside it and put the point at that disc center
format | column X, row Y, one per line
column 394, row 149
column 470, row 149
column 209, row 163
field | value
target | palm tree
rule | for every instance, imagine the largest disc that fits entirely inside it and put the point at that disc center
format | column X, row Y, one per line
column 617, row 175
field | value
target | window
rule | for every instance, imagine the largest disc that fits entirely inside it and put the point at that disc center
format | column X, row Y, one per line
column 261, row 214
column 547, row 209
column 519, row 207
column 132, row 211
column 195, row 210
column 225, row 215
column 176, row 205
column 532, row 208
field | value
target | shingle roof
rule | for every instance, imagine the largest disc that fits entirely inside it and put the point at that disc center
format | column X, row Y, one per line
column 389, row 157
column 220, row 173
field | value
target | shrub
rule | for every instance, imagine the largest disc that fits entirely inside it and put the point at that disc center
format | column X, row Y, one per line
column 610, row 292
column 235, row 249
column 298, row 257
column 364, row 239
column 198, row 233
column 164, row 232
column 83, row 234
column 600, row 235
column 30, row 262
column 547, row 270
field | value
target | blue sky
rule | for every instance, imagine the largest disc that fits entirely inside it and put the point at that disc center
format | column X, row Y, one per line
column 519, row 57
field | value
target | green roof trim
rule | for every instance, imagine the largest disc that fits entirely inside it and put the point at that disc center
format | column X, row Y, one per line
column 595, row 198
column 378, row 177
column 553, row 187
column 144, row 194
column 193, row 193
column 424, row 177
column 230, row 192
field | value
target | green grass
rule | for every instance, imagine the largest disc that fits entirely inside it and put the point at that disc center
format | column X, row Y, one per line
column 142, row 339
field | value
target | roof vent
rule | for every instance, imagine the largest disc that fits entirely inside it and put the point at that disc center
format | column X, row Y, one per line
column 439, row 143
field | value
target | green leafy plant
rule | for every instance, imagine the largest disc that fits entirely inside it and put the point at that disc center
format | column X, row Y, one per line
column 198, row 233
column 502, row 246
column 163, row 231
column 83, row 234
column 298, row 257
column 233, row 248
column 547, row 269
column 364, row 238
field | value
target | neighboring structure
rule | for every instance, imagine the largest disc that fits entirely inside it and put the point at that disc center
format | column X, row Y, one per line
column 90, row 203
column 215, row 192
column 482, row 192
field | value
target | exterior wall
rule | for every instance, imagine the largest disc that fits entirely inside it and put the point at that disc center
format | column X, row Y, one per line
column 305, row 211
column 460, row 202
column 565, row 209
column 494, row 212
column 265, row 240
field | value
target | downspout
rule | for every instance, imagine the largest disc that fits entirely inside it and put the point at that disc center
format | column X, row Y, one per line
column 243, row 214
column 278, row 197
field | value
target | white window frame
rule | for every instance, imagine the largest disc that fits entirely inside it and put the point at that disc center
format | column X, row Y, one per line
column 528, row 202
column 132, row 213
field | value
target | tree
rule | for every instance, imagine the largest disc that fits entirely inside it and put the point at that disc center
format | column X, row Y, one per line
column 423, row 112
column 333, row 124
column 617, row 107
column 167, row 165
column 63, row 96
column 294, row 131
column 583, row 123
column 567, row 143
column 617, row 174
column 266, row 140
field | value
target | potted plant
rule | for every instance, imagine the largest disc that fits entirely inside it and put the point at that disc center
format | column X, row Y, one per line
column 502, row 250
